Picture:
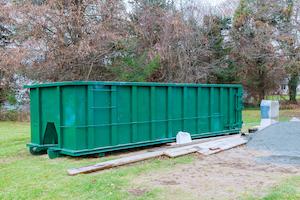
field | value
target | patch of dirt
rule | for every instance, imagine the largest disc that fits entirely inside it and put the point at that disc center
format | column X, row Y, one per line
column 167, row 182
column 137, row 191
column 227, row 175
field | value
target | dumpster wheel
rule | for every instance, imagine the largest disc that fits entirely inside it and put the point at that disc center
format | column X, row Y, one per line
column 53, row 154
column 35, row 151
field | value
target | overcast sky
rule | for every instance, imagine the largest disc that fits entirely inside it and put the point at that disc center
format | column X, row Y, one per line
column 212, row 2
column 215, row 6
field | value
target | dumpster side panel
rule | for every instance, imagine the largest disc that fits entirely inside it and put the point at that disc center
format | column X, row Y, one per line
column 176, row 112
column 189, row 108
column 204, row 110
column 239, row 107
column 69, row 124
column 231, row 107
column 49, row 114
column 44, row 118
column 99, row 117
column 74, row 113
column 35, row 116
column 124, row 115
column 215, row 113
column 224, row 108
column 102, row 114
column 143, row 114
column 81, row 117
column 160, row 113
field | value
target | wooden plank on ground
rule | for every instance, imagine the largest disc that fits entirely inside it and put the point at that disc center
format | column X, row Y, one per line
column 173, row 153
column 115, row 163
column 206, row 148
column 218, row 146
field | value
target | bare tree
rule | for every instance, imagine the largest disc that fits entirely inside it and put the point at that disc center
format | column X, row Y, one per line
column 68, row 40
column 150, row 41
column 255, row 47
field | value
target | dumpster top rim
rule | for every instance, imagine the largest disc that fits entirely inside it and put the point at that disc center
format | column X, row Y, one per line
column 74, row 83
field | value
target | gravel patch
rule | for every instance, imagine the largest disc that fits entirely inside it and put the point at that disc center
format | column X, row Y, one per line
column 281, row 140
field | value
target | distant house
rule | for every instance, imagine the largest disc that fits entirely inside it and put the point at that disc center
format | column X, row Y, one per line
column 284, row 87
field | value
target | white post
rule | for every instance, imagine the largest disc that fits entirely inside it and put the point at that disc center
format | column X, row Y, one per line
column 269, row 111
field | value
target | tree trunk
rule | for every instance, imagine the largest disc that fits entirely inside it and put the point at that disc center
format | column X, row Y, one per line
column 293, row 83
column 261, row 86
column 261, row 96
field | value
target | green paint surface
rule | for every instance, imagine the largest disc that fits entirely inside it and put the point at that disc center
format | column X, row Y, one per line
column 95, row 117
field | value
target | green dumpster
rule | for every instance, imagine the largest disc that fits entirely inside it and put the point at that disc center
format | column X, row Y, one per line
column 85, row 117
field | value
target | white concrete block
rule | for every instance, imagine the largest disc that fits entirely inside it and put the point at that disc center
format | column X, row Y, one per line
column 183, row 138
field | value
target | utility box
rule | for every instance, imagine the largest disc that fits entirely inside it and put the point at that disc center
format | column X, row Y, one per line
column 81, row 118
column 269, row 113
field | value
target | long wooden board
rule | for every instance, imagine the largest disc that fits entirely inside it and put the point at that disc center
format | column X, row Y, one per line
column 218, row 146
column 206, row 148
column 115, row 163
column 181, row 152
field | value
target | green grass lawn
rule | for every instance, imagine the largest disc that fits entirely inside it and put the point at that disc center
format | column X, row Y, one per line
column 287, row 190
column 23, row 176
column 251, row 117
